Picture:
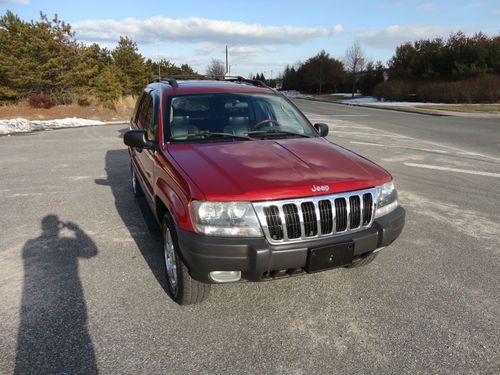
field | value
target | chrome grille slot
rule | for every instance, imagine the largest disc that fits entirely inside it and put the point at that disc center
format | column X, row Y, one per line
column 325, row 213
column 355, row 218
column 274, row 222
column 367, row 208
column 292, row 220
column 310, row 221
column 341, row 214
column 305, row 219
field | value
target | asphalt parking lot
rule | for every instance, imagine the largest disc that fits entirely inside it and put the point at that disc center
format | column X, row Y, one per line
column 85, row 294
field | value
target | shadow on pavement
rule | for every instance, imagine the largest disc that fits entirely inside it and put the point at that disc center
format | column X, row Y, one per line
column 134, row 212
column 53, row 334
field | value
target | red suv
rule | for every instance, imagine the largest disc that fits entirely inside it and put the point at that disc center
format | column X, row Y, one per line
column 245, row 188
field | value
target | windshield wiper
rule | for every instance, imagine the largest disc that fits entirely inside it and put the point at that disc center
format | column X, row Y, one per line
column 206, row 135
column 275, row 132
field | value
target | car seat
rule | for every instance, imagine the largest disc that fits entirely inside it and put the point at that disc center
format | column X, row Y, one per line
column 180, row 127
column 237, row 125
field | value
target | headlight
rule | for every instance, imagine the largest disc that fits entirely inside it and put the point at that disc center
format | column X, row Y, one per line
column 387, row 199
column 225, row 219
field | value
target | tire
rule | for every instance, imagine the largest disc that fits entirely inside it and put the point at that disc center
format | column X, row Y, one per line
column 181, row 287
column 363, row 260
column 134, row 182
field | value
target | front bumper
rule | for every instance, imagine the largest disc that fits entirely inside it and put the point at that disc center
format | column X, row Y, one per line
column 257, row 260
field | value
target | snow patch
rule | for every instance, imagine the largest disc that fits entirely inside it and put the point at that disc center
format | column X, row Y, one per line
column 21, row 125
column 294, row 94
column 345, row 94
column 375, row 101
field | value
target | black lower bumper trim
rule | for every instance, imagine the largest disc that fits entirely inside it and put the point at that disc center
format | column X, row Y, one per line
column 256, row 258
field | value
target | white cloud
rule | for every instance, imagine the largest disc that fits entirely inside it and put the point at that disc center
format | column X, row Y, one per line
column 235, row 50
column 337, row 28
column 495, row 12
column 393, row 36
column 194, row 29
column 23, row 2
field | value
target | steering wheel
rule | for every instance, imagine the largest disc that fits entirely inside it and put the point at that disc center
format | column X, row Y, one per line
column 266, row 121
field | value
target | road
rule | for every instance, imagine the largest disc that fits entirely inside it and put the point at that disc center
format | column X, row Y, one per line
column 81, row 278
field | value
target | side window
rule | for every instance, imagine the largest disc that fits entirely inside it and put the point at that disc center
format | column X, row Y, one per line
column 149, row 119
column 142, row 113
column 138, row 111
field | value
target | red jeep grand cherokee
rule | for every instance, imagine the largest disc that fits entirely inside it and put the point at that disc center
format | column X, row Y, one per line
column 245, row 188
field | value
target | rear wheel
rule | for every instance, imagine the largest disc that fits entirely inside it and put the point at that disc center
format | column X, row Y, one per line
column 134, row 182
column 182, row 288
column 362, row 261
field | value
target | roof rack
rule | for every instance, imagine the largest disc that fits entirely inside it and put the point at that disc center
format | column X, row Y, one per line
column 172, row 80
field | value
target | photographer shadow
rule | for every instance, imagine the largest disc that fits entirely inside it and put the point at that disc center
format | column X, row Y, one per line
column 134, row 212
column 53, row 333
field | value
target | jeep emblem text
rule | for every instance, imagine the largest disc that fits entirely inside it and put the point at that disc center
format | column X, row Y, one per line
column 316, row 188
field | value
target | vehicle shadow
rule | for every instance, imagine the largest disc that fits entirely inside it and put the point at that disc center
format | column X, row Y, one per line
column 134, row 212
column 53, row 335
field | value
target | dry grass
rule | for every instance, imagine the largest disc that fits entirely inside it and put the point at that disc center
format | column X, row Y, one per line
column 469, row 108
column 124, row 107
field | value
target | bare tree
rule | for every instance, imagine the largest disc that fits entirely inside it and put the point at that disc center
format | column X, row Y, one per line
column 354, row 62
column 216, row 69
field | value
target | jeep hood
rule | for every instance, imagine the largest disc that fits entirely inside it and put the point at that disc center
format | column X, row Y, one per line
column 274, row 169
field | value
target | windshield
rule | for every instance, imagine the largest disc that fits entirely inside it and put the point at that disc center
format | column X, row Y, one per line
column 243, row 116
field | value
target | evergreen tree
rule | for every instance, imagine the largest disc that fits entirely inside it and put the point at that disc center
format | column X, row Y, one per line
column 131, row 67
column 37, row 56
column 106, row 86
column 166, row 68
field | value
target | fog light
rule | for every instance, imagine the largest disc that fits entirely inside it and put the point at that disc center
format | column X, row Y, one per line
column 225, row 276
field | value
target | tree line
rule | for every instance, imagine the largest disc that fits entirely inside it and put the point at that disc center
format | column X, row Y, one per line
column 41, row 60
column 459, row 68
column 323, row 74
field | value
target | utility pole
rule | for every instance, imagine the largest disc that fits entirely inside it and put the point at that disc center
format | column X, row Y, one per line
column 227, row 61
column 320, row 74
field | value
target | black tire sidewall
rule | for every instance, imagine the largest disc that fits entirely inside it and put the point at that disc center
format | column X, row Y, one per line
column 133, row 179
column 167, row 222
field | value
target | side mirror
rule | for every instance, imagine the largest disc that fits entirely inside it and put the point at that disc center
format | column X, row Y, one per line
column 322, row 129
column 138, row 138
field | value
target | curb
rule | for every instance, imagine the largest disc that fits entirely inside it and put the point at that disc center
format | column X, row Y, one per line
column 401, row 109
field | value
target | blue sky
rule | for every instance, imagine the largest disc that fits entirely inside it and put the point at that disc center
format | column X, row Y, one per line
column 263, row 36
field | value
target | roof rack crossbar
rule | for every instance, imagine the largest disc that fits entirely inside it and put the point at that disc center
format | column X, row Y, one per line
column 172, row 80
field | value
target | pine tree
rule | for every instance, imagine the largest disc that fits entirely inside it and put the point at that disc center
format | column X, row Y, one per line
column 130, row 63
column 106, row 86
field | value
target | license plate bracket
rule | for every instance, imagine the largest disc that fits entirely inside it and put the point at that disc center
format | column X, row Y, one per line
column 330, row 256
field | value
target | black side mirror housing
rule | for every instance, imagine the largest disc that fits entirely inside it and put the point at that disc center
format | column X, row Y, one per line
column 322, row 129
column 138, row 138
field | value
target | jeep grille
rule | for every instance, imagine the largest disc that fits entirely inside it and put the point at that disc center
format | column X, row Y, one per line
column 316, row 217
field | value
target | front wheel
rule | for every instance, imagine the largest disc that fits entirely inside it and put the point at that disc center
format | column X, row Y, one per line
column 134, row 182
column 182, row 288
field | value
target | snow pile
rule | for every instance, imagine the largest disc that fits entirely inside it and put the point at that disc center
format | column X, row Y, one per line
column 345, row 94
column 21, row 125
column 294, row 94
column 374, row 101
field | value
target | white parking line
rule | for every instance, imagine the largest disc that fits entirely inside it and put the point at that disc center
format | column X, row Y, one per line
column 333, row 116
column 373, row 135
column 404, row 147
column 467, row 171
